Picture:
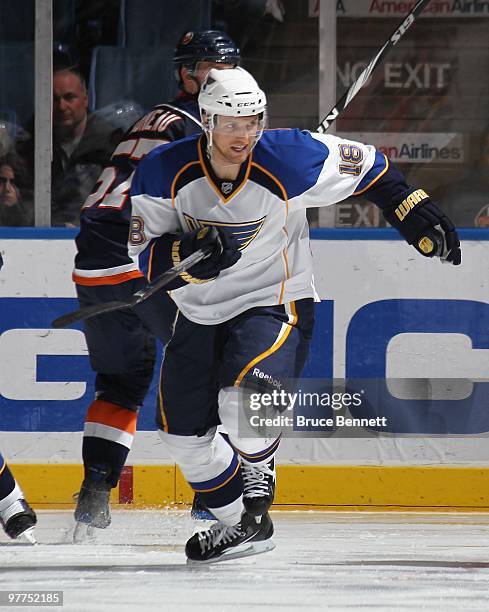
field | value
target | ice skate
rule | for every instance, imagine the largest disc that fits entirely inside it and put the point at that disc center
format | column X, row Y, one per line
column 92, row 508
column 19, row 520
column 199, row 510
column 222, row 542
column 258, row 487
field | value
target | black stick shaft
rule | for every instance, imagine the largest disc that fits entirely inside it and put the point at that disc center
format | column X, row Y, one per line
column 141, row 295
column 363, row 77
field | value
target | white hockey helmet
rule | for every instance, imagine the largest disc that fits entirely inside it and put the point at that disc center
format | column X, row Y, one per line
column 232, row 93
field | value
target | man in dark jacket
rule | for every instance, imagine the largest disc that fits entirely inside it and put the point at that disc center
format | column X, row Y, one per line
column 82, row 146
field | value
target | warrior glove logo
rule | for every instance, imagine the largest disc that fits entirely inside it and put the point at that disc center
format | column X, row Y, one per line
column 409, row 203
column 425, row 226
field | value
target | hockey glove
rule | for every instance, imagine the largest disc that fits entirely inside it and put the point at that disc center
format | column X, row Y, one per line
column 224, row 254
column 425, row 226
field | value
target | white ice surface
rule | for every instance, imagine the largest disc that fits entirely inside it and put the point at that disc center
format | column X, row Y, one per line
column 323, row 561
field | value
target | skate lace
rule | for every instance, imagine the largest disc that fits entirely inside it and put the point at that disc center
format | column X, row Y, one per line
column 255, row 480
column 218, row 533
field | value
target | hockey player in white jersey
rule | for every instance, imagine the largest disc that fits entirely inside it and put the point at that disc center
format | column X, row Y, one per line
column 248, row 308
column 17, row 518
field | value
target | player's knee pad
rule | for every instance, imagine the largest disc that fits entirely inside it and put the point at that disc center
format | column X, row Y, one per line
column 201, row 458
column 189, row 450
column 245, row 440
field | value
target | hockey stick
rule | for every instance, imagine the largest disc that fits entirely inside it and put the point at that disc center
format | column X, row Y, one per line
column 92, row 311
column 402, row 28
column 374, row 62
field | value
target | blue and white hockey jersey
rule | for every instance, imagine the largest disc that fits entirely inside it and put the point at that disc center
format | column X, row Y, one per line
column 175, row 190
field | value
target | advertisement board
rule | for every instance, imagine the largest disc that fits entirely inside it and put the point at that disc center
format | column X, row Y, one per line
column 396, row 324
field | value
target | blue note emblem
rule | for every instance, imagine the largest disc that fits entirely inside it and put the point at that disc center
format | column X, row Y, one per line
column 244, row 232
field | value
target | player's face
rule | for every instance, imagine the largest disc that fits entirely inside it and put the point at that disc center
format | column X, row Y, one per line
column 8, row 190
column 70, row 101
column 233, row 138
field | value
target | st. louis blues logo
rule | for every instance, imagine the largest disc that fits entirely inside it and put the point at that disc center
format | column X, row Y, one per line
column 244, row 233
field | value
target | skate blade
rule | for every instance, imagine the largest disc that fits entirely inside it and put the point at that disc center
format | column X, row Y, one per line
column 248, row 549
column 27, row 536
column 83, row 533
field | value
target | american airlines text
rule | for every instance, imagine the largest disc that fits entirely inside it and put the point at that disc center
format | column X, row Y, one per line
column 399, row 8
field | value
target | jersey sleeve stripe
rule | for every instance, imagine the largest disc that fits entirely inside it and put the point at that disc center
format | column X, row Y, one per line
column 113, row 279
column 170, row 119
column 379, row 168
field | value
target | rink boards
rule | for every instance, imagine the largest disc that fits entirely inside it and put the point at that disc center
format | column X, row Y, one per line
column 385, row 313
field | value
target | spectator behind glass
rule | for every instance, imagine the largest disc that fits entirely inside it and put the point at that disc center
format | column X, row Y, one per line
column 13, row 211
column 466, row 202
column 82, row 146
